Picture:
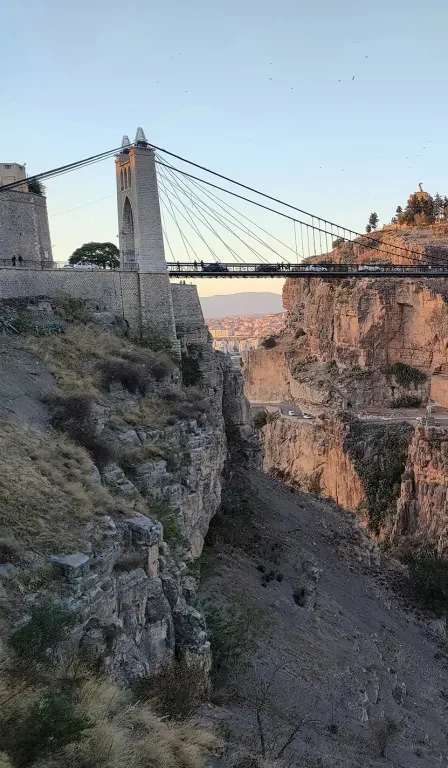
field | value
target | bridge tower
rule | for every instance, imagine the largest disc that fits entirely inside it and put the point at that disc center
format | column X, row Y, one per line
column 139, row 221
column 141, row 240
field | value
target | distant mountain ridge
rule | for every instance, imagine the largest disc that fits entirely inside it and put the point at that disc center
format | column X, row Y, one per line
column 248, row 304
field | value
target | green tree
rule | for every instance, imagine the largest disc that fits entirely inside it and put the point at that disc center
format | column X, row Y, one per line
column 373, row 220
column 419, row 210
column 102, row 254
column 36, row 187
column 438, row 207
column 368, row 228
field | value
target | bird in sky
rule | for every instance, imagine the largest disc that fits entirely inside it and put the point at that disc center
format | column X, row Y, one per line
column 353, row 77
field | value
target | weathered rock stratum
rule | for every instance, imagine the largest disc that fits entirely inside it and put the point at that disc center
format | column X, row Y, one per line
column 352, row 344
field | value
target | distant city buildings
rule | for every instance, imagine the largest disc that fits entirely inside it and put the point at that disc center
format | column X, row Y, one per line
column 239, row 334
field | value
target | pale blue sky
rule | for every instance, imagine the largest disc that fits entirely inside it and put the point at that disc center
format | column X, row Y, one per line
column 250, row 89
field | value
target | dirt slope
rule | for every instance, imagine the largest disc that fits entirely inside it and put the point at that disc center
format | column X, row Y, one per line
column 24, row 379
column 348, row 649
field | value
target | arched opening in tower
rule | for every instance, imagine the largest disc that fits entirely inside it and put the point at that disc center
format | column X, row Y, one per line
column 128, row 244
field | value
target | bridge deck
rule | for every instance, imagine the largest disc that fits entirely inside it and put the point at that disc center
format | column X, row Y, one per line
column 178, row 269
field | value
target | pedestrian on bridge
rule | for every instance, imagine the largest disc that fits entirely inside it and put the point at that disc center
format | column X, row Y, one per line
column 13, row 260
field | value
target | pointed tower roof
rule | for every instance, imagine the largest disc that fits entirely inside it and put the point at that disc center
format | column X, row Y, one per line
column 125, row 141
column 140, row 136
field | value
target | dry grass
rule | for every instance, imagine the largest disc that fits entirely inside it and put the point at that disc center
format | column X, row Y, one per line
column 151, row 413
column 120, row 734
column 74, row 357
column 45, row 489
column 176, row 691
column 132, row 736
column 141, row 453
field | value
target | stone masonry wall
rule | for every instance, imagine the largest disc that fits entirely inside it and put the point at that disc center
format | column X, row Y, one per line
column 144, row 300
column 24, row 229
column 188, row 315
column 117, row 292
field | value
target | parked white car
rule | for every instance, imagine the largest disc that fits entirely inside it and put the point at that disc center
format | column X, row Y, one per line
column 80, row 265
column 292, row 413
column 86, row 265
column 306, row 416
column 369, row 268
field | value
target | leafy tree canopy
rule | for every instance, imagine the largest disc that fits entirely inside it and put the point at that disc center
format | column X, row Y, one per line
column 373, row 220
column 102, row 254
column 36, row 187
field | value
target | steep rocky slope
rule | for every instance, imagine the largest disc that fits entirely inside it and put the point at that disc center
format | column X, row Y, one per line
column 110, row 486
column 423, row 503
column 338, row 657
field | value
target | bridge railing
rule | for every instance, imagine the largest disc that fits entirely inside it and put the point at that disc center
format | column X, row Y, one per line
column 233, row 269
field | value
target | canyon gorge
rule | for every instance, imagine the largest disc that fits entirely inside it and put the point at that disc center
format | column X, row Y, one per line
column 358, row 355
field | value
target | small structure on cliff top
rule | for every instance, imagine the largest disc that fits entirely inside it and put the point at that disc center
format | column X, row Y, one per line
column 24, row 230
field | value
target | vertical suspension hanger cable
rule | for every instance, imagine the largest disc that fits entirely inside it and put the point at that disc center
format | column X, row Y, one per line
column 205, row 219
column 220, row 217
column 195, row 229
column 295, row 242
column 178, row 227
column 164, row 230
column 222, row 220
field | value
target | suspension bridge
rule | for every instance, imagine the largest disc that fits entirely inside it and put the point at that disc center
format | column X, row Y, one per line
column 214, row 226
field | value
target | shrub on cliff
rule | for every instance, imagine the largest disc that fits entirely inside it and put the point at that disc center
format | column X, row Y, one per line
column 260, row 419
column 191, row 370
column 379, row 454
column 175, row 691
column 130, row 375
column 46, row 627
column 234, row 630
column 406, row 401
column 269, row 342
column 428, row 573
column 72, row 414
column 405, row 375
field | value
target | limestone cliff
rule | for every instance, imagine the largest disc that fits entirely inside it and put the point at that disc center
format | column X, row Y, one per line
column 423, row 503
column 357, row 464
column 360, row 327
column 122, row 486
column 352, row 344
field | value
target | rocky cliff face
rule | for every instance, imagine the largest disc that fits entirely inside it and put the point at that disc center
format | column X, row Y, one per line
column 369, row 323
column 351, row 344
column 422, row 507
column 357, row 464
column 361, row 327
column 127, row 579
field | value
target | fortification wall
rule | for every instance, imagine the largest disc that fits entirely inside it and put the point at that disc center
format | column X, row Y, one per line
column 188, row 317
column 114, row 291
column 24, row 229
column 144, row 300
